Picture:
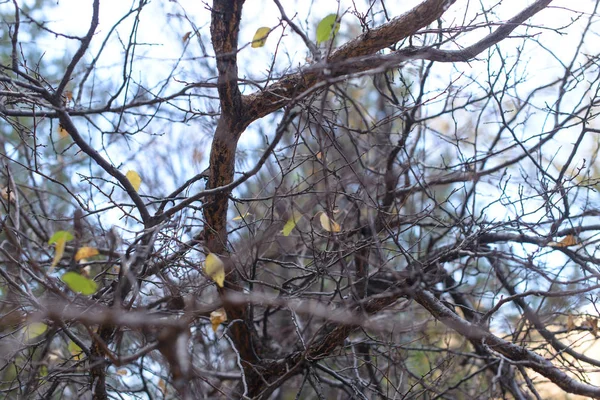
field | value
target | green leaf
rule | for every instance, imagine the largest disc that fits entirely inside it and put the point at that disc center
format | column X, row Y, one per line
column 79, row 284
column 59, row 240
column 327, row 28
column 260, row 37
column 60, row 236
column 75, row 350
column 34, row 330
column 291, row 223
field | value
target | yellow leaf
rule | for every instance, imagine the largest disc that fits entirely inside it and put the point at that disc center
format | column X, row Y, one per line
column 260, row 37
column 186, row 37
column 123, row 372
column 59, row 240
column 62, row 132
column 328, row 224
column 242, row 216
column 569, row 240
column 85, row 252
column 217, row 317
column 215, row 268
column 291, row 223
column 134, row 179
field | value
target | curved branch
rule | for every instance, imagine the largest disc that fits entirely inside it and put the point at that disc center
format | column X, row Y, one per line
column 510, row 350
column 276, row 95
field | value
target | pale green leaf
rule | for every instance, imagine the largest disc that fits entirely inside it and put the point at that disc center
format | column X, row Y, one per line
column 75, row 350
column 64, row 236
column 34, row 330
column 59, row 240
column 291, row 223
column 327, row 28
column 79, row 284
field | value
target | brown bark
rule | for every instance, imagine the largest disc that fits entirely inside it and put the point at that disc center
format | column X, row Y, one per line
column 237, row 112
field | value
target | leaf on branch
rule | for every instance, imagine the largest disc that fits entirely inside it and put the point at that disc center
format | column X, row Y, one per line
column 217, row 317
column 593, row 324
column 329, row 224
column 215, row 269
column 34, row 330
column 162, row 385
column 6, row 195
column 62, row 132
column 123, row 372
column 291, row 223
column 570, row 323
column 260, row 37
column 242, row 216
column 134, row 179
column 186, row 37
column 79, row 283
column 86, row 252
column 75, row 350
column 59, row 240
column 569, row 240
column 327, row 28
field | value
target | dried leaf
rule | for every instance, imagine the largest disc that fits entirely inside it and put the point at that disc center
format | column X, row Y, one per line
column 162, row 385
column 215, row 269
column 186, row 37
column 569, row 240
column 85, row 271
column 593, row 323
column 68, row 95
column 123, row 372
column 197, row 156
column 86, row 252
column 260, row 37
column 6, row 196
column 329, row 224
column 217, row 317
column 570, row 323
column 62, row 132
column 134, row 179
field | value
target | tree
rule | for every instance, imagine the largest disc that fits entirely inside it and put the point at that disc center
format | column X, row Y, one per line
column 408, row 213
